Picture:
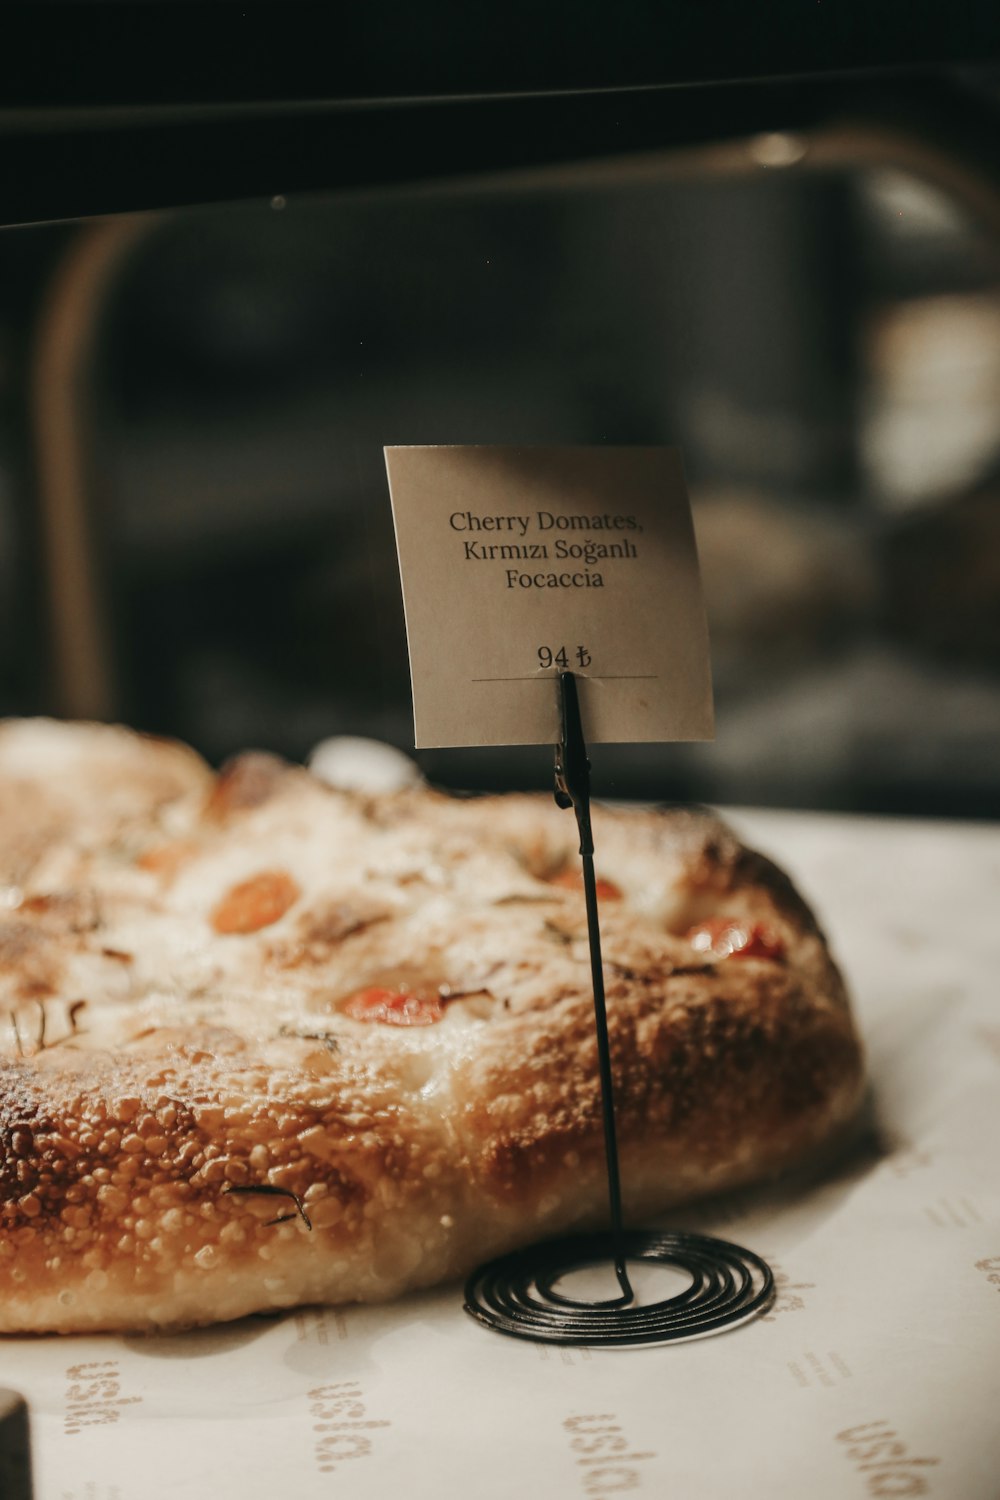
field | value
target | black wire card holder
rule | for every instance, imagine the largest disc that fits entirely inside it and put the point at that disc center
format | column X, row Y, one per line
column 518, row 1294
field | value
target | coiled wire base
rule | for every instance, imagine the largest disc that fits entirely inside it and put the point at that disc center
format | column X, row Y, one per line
column 516, row 1294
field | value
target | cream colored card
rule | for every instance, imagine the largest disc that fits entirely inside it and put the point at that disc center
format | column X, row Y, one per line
column 517, row 562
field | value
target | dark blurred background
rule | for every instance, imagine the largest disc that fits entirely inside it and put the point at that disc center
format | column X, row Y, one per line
column 193, row 406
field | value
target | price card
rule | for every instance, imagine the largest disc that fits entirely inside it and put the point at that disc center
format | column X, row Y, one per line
column 518, row 563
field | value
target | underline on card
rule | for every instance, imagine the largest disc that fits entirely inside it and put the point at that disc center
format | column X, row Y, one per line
column 592, row 677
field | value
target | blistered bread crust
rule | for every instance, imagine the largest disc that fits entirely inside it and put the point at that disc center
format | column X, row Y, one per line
column 156, row 1072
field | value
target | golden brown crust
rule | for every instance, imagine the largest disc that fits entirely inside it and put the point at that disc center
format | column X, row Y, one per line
column 192, row 1127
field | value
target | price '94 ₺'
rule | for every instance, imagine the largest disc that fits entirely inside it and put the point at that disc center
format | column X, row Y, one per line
column 578, row 655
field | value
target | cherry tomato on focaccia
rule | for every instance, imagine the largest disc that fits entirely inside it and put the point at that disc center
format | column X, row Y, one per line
column 572, row 880
column 255, row 903
column 730, row 937
column 394, row 1007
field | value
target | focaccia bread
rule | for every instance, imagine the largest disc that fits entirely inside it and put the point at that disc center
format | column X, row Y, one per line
column 263, row 1043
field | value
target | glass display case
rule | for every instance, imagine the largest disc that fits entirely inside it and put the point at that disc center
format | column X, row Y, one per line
column 794, row 279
